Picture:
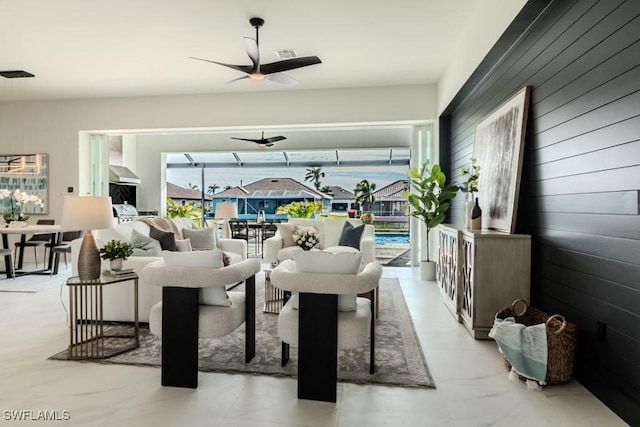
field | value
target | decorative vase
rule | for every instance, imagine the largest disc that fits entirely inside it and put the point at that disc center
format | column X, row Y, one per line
column 116, row 264
column 468, row 208
column 476, row 217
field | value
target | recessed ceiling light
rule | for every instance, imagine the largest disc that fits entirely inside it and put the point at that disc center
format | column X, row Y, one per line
column 17, row 74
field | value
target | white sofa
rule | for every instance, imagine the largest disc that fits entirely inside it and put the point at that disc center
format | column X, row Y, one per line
column 118, row 298
column 330, row 230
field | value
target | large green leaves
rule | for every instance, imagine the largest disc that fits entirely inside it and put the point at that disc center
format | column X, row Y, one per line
column 430, row 199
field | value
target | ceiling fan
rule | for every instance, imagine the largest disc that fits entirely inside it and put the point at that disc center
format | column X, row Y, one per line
column 273, row 71
column 262, row 141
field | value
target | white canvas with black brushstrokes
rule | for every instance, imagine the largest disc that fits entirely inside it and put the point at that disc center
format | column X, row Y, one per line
column 498, row 146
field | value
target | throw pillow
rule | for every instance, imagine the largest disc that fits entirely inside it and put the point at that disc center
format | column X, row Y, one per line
column 286, row 231
column 202, row 239
column 328, row 263
column 166, row 238
column 350, row 235
column 144, row 245
column 183, row 245
column 215, row 295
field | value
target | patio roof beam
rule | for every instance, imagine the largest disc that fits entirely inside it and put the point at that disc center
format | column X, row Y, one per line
column 315, row 163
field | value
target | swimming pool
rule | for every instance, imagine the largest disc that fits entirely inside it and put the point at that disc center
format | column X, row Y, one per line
column 388, row 238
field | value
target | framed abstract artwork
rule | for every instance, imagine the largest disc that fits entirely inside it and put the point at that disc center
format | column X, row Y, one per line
column 498, row 146
column 28, row 173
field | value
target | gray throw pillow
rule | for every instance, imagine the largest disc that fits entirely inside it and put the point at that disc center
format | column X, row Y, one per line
column 286, row 231
column 144, row 245
column 166, row 238
column 202, row 239
column 351, row 235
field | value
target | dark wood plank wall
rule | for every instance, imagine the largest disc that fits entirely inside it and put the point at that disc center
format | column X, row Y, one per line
column 579, row 197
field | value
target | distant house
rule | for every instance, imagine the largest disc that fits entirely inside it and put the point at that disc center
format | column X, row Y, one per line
column 182, row 195
column 343, row 200
column 267, row 194
column 390, row 201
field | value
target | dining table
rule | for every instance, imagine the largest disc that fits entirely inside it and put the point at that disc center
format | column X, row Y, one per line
column 24, row 231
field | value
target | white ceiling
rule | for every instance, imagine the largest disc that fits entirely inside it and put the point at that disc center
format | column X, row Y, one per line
column 88, row 48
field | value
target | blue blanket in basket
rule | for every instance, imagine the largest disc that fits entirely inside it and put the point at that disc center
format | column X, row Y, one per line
column 525, row 347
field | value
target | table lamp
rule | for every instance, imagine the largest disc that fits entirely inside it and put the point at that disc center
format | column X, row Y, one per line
column 226, row 210
column 87, row 213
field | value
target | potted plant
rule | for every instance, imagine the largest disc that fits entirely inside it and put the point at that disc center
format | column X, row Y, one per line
column 116, row 251
column 429, row 203
column 367, row 218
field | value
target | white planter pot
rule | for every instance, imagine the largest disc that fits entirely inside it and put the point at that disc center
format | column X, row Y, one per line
column 116, row 264
column 427, row 270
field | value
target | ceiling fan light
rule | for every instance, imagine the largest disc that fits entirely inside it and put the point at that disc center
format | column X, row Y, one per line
column 257, row 76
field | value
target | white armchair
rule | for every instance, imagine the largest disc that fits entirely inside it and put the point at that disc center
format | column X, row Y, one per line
column 318, row 328
column 180, row 319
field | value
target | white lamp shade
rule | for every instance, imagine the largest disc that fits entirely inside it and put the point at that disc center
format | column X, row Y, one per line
column 86, row 213
column 226, row 210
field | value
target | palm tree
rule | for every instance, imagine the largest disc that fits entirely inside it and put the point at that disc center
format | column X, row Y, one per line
column 364, row 194
column 191, row 186
column 212, row 189
column 314, row 174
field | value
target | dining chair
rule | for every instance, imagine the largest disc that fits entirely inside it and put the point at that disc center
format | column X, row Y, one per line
column 269, row 229
column 8, row 262
column 62, row 246
column 240, row 230
column 35, row 241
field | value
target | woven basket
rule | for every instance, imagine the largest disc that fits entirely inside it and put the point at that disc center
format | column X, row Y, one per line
column 562, row 338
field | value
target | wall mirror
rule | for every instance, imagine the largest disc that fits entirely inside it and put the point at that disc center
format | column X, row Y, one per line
column 30, row 174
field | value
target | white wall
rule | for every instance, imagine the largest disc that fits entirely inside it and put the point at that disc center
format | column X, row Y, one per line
column 496, row 15
column 54, row 127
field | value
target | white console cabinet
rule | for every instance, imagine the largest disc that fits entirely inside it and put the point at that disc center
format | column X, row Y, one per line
column 480, row 272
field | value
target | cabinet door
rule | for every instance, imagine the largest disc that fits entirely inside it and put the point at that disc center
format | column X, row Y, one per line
column 467, row 259
column 448, row 268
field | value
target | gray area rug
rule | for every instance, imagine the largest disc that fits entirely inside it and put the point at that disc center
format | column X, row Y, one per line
column 399, row 357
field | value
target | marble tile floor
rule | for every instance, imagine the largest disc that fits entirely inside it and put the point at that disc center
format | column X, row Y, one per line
column 472, row 385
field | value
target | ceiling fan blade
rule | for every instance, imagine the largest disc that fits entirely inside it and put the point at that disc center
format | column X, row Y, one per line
column 239, row 78
column 257, row 141
column 289, row 64
column 275, row 139
column 252, row 50
column 282, row 79
column 244, row 68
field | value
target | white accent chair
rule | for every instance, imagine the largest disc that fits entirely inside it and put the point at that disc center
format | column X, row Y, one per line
column 319, row 329
column 181, row 320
